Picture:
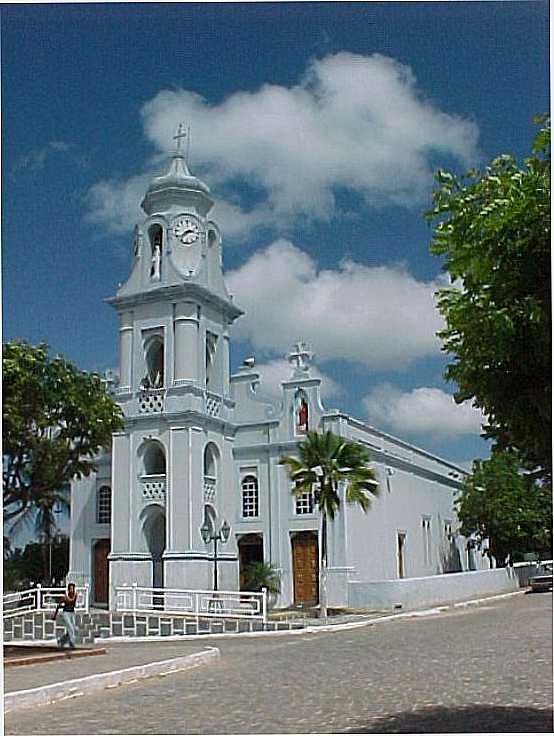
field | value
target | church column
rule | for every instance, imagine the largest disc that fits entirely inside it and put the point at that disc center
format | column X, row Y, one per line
column 178, row 499
column 125, row 350
column 225, row 361
column 186, row 342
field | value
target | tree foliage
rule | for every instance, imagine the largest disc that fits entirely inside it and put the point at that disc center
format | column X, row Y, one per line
column 494, row 230
column 23, row 567
column 510, row 509
column 56, row 419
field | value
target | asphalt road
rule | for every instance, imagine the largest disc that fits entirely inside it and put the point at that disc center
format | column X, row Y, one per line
column 477, row 669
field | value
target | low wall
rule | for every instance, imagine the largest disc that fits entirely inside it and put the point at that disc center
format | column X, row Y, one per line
column 436, row 589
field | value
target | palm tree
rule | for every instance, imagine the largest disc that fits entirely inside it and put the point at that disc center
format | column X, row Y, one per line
column 326, row 461
column 258, row 575
column 41, row 515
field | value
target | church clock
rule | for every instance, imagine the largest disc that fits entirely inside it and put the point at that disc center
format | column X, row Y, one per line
column 186, row 229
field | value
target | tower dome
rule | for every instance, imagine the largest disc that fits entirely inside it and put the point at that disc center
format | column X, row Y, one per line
column 177, row 187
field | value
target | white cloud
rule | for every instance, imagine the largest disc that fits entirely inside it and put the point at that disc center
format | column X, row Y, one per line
column 275, row 371
column 378, row 316
column 116, row 203
column 423, row 410
column 36, row 159
column 355, row 122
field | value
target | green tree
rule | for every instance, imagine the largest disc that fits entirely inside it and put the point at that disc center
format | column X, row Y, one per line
column 325, row 462
column 494, row 230
column 56, row 419
column 511, row 509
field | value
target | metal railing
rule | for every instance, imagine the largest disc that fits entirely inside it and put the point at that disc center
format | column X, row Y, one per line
column 35, row 600
column 197, row 603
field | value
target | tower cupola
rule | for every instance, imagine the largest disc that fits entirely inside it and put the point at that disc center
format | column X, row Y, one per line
column 177, row 187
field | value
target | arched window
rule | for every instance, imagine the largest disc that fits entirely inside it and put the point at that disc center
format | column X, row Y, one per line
column 211, row 346
column 301, row 421
column 104, row 505
column 155, row 235
column 250, row 497
column 154, row 363
column 154, row 459
column 210, row 472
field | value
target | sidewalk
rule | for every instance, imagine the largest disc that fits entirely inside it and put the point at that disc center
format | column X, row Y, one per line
column 118, row 656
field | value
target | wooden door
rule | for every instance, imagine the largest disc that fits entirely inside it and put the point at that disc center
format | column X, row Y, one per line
column 305, row 569
column 101, row 571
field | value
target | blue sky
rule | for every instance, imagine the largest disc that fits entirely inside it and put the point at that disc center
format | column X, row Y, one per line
column 317, row 127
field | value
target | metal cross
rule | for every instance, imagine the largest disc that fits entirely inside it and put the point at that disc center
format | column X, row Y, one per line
column 181, row 133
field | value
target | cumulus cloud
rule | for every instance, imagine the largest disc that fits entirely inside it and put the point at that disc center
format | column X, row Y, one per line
column 378, row 316
column 275, row 371
column 116, row 203
column 353, row 122
column 423, row 410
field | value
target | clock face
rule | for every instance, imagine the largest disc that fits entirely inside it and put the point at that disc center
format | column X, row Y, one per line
column 186, row 230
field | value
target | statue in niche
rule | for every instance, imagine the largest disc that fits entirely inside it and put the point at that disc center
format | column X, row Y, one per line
column 302, row 415
column 156, row 262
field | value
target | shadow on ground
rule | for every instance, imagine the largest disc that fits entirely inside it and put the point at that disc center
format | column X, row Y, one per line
column 469, row 719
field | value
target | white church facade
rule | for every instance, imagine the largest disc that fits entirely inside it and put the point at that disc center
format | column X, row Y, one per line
column 200, row 445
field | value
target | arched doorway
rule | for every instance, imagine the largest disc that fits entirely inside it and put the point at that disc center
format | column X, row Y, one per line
column 251, row 549
column 305, row 567
column 154, row 532
column 101, row 551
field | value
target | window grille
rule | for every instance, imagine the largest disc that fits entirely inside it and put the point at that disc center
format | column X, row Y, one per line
column 104, row 505
column 304, row 504
column 249, row 487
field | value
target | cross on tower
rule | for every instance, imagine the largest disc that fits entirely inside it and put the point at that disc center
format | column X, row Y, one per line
column 181, row 133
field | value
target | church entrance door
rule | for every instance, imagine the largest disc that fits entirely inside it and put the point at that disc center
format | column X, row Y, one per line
column 251, row 549
column 101, row 571
column 305, row 568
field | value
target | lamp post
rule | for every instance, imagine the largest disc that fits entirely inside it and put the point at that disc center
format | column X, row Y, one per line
column 208, row 535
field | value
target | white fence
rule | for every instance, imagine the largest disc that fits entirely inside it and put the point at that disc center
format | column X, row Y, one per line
column 199, row 603
column 35, row 600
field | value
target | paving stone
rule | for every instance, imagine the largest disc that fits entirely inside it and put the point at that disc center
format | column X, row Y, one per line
column 477, row 669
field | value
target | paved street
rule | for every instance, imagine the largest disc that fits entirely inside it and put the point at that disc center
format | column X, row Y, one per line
column 484, row 668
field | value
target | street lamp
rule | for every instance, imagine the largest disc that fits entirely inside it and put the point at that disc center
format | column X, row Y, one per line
column 208, row 535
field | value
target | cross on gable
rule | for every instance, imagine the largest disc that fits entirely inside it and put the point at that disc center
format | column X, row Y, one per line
column 300, row 357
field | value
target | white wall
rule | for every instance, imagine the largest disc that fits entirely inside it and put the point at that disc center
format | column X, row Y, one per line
column 436, row 589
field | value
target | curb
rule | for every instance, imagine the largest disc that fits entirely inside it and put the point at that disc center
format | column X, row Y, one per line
column 80, row 686
column 52, row 657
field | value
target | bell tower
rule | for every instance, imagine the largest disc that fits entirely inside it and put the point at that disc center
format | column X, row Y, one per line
column 171, row 460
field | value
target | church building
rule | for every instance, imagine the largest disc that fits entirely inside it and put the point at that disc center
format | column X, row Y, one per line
column 200, row 446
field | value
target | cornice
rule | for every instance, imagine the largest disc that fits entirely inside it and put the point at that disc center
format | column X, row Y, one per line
column 176, row 292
